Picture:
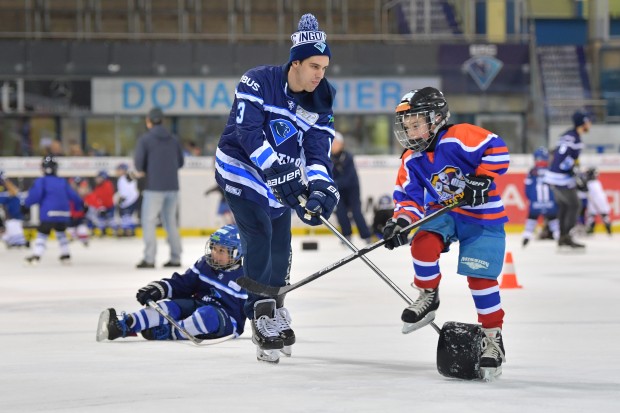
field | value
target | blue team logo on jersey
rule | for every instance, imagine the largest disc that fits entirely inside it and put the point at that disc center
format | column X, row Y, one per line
column 281, row 129
column 483, row 69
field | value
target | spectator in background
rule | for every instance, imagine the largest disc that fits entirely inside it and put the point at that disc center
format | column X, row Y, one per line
column 561, row 177
column 159, row 156
column 348, row 183
column 74, row 148
column 191, row 149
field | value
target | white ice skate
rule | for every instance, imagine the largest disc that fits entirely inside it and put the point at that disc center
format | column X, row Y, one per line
column 493, row 354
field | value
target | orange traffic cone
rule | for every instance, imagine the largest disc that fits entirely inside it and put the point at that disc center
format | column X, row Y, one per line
column 509, row 277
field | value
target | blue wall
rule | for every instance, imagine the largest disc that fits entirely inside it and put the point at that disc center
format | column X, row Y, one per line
column 561, row 31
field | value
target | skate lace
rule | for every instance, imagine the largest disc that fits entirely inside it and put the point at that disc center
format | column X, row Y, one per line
column 423, row 302
column 283, row 319
column 268, row 327
column 491, row 349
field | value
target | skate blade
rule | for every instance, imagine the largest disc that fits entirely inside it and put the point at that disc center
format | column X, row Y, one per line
column 287, row 351
column 102, row 326
column 269, row 356
column 411, row 327
column 490, row 373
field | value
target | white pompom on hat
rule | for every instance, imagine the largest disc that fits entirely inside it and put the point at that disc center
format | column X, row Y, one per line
column 308, row 40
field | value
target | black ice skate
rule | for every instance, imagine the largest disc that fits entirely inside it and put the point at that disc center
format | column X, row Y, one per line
column 283, row 321
column 265, row 332
column 110, row 327
column 65, row 259
column 422, row 311
column 493, row 354
column 33, row 259
column 567, row 241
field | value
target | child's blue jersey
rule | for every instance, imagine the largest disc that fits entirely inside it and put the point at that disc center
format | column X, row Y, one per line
column 53, row 194
column 538, row 192
column 215, row 287
column 269, row 124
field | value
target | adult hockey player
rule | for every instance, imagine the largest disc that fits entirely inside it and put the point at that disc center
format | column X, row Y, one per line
column 443, row 164
column 53, row 195
column 205, row 300
column 278, row 137
column 561, row 177
column 540, row 197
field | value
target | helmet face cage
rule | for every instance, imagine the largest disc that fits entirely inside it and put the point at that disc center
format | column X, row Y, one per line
column 228, row 238
column 411, row 137
column 419, row 117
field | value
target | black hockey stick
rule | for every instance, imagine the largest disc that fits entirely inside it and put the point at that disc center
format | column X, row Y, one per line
column 187, row 334
column 373, row 267
column 270, row 291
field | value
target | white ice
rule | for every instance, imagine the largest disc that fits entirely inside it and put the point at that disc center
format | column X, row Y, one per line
column 561, row 333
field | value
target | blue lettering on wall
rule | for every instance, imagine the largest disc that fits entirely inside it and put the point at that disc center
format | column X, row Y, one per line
column 198, row 96
column 365, row 95
column 155, row 92
column 138, row 92
column 390, row 94
column 221, row 96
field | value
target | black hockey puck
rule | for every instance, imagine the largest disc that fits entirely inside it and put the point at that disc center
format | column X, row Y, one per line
column 309, row 245
column 459, row 350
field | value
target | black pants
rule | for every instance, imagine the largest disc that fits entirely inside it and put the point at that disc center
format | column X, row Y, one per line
column 568, row 207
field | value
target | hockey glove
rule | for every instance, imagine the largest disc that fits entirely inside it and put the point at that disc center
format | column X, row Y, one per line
column 323, row 198
column 476, row 190
column 153, row 291
column 286, row 184
column 393, row 233
column 307, row 218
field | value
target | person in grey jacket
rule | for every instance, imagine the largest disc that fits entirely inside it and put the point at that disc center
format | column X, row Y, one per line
column 159, row 156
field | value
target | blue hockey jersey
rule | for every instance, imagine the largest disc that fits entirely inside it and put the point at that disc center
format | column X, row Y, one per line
column 269, row 124
column 53, row 194
column 215, row 287
column 428, row 178
column 565, row 156
column 538, row 192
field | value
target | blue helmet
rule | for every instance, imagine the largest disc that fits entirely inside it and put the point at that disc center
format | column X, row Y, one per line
column 103, row 174
column 541, row 154
column 227, row 237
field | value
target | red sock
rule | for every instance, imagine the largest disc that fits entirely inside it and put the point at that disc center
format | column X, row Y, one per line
column 425, row 250
column 485, row 293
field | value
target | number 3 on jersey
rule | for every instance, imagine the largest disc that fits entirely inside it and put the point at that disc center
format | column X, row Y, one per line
column 240, row 112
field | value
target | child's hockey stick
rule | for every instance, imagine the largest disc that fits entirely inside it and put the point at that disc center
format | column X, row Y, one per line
column 271, row 291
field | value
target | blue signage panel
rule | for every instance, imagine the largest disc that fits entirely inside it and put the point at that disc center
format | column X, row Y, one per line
column 194, row 96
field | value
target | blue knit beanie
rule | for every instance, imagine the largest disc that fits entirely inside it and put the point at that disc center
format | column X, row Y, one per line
column 308, row 40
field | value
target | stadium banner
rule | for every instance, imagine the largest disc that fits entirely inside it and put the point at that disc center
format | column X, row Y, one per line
column 205, row 96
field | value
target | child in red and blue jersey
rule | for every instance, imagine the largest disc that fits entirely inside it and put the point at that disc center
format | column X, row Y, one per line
column 444, row 164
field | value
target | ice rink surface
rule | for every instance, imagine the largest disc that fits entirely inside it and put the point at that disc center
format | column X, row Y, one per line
column 561, row 335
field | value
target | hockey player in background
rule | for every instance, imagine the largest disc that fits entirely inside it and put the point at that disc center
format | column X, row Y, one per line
column 540, row 197
column 383, row 211
column 14, row 226
column 78, row 227
column 53, row 195
column 443, row 164
column 205, row 300
column 598, row 204
column 128, row 194
column 561, row 177
column 100, row 202
column 279, row 134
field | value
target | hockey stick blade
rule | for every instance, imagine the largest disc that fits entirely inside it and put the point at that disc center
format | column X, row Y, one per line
column 271, row 291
